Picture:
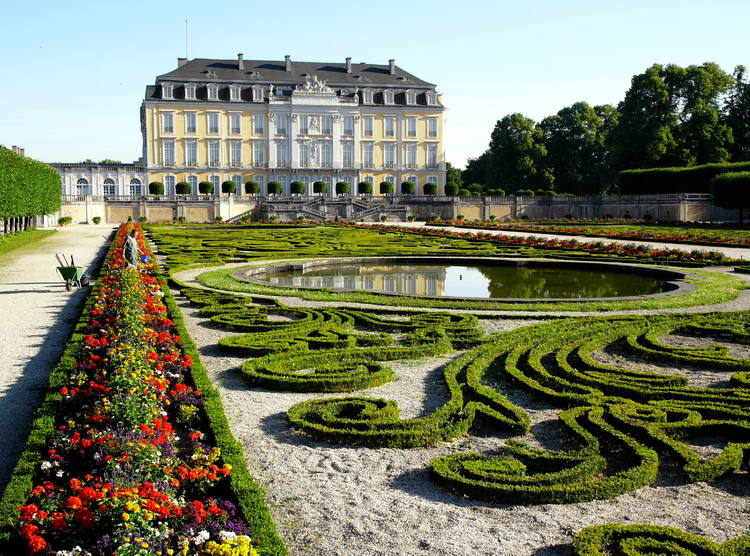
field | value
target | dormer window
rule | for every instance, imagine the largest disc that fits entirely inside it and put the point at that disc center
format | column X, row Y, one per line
column 234, row 93
column 167, row 91
column 367, row 97
column 189, row 91
column 411, row 97
column 432, row 99
column 213, row 92
column 257, row 94
column 388, row 97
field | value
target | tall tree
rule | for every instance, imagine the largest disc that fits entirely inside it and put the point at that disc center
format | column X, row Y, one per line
column 575, row 139
column 644, row 134
column 478, row 169
column 737, row 115
column 518, row 158
column 453, row 174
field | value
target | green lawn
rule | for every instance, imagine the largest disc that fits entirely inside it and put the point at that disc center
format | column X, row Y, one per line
column 15, row 241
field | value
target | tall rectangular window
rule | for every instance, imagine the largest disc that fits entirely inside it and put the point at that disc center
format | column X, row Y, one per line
column 367, row 126
column 368, row 155
column 189, row 92
column 303, row 128
column 261, row 180
column 411, row 97
column 348, row 147
column 259, row 153
column 191, row 152
column 216, row 180
column 213, row 122
column 432, row 99
column 304, row 154
column 193, row 181
column 326, row 125
column 190, row 122
column 389, row 155
column 213, row 92
column 326, row 154
column 169, row 152
column 257, row 94
column 281, row 121
column 167, row 122
column 411, row 126
column 169, row 182
column 432, row 127
column 213, row 152
column 166, row 91
column 282, row 158
column 367, row 97
column 389, row 126
column 259, row 124
column 234, row 93
column 235, row 152
column 388, row 97
column 234, row 124
column 411, row 155
column 348, row 126
column 432, row 155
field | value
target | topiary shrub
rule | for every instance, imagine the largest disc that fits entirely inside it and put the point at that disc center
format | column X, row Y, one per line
column 732, row 191
column 550, row 193
column 206, row 187
column 228, row 187
column 275, row 188
column 364, row 188
column 320, row 187
column 525, row 193
column 411, row 218
column 342, row 188
column 182, row 188
column 297, row 188
column 408, row 188
column 383, row 217
column 252, row 188
column 451, row 189
column 64, row 220
column 464, row 193
column 156, row 188
column 430, row 188
column 97, row 219
column 386, row 188
column 143, row 219
column 218, row 219
column 181, row 219
column 459, row 217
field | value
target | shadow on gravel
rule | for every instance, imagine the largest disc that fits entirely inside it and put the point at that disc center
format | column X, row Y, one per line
column 418, row 483
column 19, row 401
column 554, row 550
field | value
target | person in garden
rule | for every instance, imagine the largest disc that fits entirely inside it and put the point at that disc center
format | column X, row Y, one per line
column 131, row 251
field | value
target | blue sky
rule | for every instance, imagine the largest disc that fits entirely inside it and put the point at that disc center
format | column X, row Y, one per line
column 75, row 72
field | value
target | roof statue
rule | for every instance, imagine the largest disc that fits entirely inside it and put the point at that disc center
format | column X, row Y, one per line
column 314, row 86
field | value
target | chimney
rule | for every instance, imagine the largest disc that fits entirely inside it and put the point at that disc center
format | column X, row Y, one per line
column 181, row 62
column 392, row 66
column 288, row 62
column 348, row 65
column 240, row 61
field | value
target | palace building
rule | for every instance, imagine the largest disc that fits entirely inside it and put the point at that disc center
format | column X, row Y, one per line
column 285, row 121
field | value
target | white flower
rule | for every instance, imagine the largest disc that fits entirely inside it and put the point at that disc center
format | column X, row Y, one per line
column 46, row 466
column 59, row 474
column 227, row 535
column 201, row 537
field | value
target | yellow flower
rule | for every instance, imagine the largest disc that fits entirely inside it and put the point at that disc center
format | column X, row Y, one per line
column 125, row 516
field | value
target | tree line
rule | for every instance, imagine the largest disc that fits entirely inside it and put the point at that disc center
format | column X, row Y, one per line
column 671, row 116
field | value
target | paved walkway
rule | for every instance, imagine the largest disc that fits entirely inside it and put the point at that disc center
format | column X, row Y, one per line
column 36, row 319
column 733, row 252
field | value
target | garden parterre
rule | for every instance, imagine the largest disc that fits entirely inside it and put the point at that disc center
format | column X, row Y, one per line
column 131, row 464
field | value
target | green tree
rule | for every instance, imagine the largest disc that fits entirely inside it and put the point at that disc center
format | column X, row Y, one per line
column 206, row 187
column 451, row 189
column 477, row 170
column 182, row 188
column 430, row 188
column 228, row 187
column 737, row 115
column 252, row 187
column 320, row 187
column 297, row 188
column 408, row 188
column 364, row 188
column 156, row 188
column 386, row 188
column 110, row 162
column 453, row 174
column 275, row 188
column 731, row 190
column 518, row 155
column 576, row 144
column 342, row 188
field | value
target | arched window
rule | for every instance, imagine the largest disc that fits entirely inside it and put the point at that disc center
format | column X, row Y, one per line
column 109, row 186
column 135, row 186
column 82, row 186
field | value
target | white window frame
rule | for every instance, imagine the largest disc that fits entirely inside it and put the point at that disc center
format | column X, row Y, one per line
column 347, row 154
column 389, row 121
column 326, row 154
column 282, row 153
column 368, row 154
column 282, row 129
column 216, row 180
column 109, row 183
column 259, row 124
column 431, row 122
column 167, row 91
column 135, row 187
column 433, row 179
column 326, row 124
column 368, row 126
column 304, row 154
column 388, row 97
column 212, row 92
column 191, row 115
column 261, row 180
column 167, row 122
column 235, row 148
column 304, row 127
column 168, row 152
column 232, row 117
column 211, row 146
column 431, row 155
column 191, row 148
column 410, row 155
column 169, row 183
column 411, row 97
column 411, row 126
column 190, row 91
column 237, row 178
column 209, row 128
column 259, row 154
column 193, row 181
column 367, row 97
column 257, row 94
column 235, row 93
column 348, row 130
column 389, row 148
column 432, row 99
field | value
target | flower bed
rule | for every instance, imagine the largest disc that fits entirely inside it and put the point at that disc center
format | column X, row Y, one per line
column 131, row 465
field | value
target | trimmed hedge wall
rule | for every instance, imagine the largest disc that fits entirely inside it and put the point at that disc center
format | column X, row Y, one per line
column 694, row 179
column 27, row 187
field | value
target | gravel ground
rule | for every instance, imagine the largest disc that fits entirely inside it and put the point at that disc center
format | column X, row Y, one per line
column 38, row 316
column 343, row 500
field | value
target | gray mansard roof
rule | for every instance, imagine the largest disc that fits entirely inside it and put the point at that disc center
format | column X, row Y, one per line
column 202, row 71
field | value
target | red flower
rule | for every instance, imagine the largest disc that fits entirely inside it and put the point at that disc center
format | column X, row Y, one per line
column 85, row 518
column 73, row 502
column 37, row 544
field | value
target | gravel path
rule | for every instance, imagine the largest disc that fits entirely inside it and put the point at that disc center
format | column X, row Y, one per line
column 733, row 252
column 37, row 318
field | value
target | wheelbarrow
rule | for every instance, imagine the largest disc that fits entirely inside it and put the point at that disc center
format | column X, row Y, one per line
column 71, row 274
